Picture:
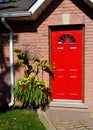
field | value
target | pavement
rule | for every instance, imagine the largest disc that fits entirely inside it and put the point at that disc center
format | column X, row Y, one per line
column 60, row 119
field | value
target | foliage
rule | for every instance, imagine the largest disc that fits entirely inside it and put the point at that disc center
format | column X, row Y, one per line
column 30, row 89
column 32, row 64
column 20, row 119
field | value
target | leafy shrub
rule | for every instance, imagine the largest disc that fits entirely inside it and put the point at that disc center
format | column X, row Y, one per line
column 31, row 91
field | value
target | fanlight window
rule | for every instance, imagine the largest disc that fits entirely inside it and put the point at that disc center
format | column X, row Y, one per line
column 66, row 39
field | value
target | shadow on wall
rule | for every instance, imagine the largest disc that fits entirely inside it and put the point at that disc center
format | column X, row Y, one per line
column 5, row 92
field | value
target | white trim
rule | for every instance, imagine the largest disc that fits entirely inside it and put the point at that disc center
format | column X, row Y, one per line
column 36, row 6
column 16, row 14
column 91, row 1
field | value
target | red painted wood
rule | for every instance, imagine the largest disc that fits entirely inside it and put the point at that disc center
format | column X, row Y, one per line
column 67, row 65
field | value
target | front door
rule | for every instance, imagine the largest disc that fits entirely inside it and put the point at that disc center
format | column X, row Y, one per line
column 67, row 64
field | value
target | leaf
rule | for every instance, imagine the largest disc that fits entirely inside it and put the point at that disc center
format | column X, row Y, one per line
column 19, row 52
column 47, row 66
column 19, row 61
column 29, row 66
column 37, row 59
column 16, row 50
column 49, row 71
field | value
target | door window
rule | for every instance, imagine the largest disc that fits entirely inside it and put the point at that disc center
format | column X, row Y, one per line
column 66, row 39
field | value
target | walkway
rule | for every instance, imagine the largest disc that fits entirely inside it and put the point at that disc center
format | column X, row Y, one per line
column 59, row 119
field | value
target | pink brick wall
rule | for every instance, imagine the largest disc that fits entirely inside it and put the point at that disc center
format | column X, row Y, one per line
column 79, row 14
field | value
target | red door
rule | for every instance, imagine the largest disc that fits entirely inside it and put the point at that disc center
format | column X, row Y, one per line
column 67, row 64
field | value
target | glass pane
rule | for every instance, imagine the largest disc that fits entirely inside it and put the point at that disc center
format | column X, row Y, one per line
column 66, row 39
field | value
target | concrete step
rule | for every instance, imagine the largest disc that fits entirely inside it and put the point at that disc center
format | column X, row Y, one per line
column 68, row 104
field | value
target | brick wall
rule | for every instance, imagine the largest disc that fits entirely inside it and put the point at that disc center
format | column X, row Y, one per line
column 36, row 34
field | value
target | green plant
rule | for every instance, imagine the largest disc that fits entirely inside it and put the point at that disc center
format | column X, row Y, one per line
column 32, row 65
column 30, row 89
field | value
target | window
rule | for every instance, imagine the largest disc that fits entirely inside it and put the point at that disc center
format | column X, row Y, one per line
column 66, row 39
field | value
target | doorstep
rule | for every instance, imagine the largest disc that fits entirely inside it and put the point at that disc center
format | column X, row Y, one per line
column 68, row 104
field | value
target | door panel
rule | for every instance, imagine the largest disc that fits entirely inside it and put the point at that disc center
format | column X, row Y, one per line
column 67, row 64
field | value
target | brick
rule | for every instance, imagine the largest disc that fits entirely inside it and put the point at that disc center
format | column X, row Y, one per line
column 40, row 37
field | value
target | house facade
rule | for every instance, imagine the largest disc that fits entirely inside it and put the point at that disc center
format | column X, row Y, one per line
column 59, row 31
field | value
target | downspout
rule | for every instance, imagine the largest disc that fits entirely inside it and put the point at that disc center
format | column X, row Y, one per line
column 11, row 60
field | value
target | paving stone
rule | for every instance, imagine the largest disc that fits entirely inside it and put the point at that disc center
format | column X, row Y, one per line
column 70, row 120
column 62, row 128
column 81, row 129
